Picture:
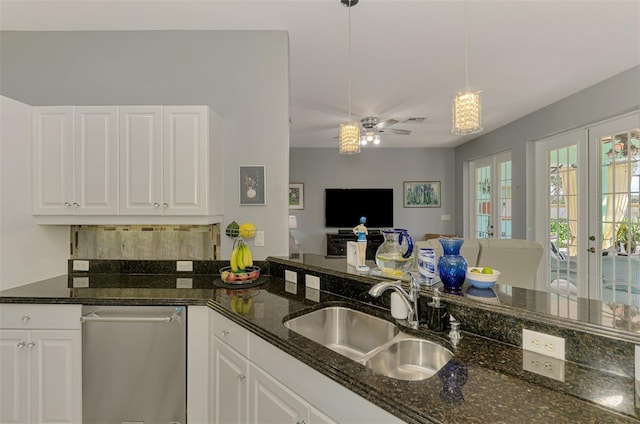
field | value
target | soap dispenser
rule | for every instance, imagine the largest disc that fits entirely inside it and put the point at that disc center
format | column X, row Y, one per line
column 437, row 313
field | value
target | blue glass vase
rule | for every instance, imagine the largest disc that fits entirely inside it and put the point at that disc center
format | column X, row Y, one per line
column 451, row 266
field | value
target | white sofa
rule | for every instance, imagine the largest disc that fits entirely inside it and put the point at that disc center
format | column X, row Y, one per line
column 516, row 259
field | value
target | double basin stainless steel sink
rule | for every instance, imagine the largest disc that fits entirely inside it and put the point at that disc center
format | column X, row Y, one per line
column 371, row 341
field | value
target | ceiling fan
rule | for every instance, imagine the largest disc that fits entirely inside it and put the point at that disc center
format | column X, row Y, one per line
column 373, row 127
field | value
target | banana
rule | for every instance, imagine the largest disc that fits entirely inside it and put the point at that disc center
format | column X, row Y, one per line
column 234, row 259
column 240, row 256
column 248, row 257
column 232, row 304
column 246, row 306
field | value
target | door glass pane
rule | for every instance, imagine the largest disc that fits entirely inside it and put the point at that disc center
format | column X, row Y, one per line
column 483, row 202
column 563, row 218
column 620, row 216
column 505, row 199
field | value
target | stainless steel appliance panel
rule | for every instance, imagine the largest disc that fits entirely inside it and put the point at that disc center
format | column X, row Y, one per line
column 134, row 364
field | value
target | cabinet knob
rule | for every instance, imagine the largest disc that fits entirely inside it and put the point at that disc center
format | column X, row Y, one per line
column 26, row 318
column 67, row 204
column 241, row 377
column 156, row 205
column 166, row 205
column 300, row 422
column 22, row 344
column 224, row 333
column 75, row 205
column 31, row 344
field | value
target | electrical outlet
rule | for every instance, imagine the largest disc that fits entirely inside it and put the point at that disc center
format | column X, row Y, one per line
column 543, row 365
column 290, row 276
column 184, row 283
column 543, row 344
column 184, row 265
column 312, row 281
column 259, row 239
column 291, row 287
column 312, row 294
column 80, row 265
column 80, row 282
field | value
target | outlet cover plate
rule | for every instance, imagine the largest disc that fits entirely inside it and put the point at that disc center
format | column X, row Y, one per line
column 291, row 276
column 543, row 365
column 543, row 344
column 80, row 265
column 184, row 266
column 312, row 281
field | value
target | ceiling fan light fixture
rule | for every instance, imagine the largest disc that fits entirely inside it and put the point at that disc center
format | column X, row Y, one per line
column 349, row 138
column 376, row 139
column 467, row 113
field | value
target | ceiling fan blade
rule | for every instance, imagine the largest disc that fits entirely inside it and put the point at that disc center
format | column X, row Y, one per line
column 397, row 131
column 384, row 124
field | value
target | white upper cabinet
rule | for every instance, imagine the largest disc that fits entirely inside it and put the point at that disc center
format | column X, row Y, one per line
column 185, row 159
column 141, row 160
column 127, row 165
column 53, row 161
column 75, row 160
column 96, row 160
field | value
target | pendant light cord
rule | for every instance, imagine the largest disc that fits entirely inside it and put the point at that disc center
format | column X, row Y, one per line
column 466, row 48
column 349, row 62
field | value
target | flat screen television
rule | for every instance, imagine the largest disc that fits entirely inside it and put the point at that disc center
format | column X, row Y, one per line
column 345, row 206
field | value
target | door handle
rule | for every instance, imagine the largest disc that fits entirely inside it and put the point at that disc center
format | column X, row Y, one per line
column 591, row 250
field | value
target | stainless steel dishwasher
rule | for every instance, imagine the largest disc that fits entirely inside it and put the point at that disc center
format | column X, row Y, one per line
column 134, row 364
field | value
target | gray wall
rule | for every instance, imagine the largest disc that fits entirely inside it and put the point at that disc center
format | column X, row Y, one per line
column 609, row 98
column 322, row 168
column 242, row 75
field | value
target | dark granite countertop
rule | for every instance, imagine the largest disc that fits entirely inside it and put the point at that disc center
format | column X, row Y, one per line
column 497, row 389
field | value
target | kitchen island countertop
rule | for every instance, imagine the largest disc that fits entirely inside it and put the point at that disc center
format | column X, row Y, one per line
column 497, row 389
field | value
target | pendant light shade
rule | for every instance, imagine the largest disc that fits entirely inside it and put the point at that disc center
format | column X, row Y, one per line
column 466, row 114
column 349, row 138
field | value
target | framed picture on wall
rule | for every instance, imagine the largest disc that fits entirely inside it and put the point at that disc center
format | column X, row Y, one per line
column 252, row 185
column 421, row 194
column 296, row 196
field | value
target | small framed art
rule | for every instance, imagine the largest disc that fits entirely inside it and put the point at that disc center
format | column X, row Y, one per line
column 421, row 194
column 252, row 185
column 296, row 196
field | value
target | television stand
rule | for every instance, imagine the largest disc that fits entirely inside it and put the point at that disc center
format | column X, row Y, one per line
column 337, row 243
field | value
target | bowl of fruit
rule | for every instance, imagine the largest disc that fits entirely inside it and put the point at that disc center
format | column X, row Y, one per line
column 240, row 276
column 482, row 277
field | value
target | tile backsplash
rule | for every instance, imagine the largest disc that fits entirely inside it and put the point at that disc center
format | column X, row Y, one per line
column 145, row 242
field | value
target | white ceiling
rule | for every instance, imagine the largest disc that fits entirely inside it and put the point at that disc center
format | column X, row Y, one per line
column 407, row 56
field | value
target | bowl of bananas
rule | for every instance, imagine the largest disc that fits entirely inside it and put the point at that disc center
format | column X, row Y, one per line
column 241, row 269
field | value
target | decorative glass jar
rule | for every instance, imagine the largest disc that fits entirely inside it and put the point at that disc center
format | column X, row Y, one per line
column 451, row 266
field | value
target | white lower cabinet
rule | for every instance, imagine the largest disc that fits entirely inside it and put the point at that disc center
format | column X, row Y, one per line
column 253, row 381
column 230, row 384
column 40, row 369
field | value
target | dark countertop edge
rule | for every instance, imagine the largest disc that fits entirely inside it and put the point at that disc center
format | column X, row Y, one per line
column 105, row 301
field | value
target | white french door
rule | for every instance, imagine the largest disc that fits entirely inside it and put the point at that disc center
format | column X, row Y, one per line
column 587, row 212
column 490, row 190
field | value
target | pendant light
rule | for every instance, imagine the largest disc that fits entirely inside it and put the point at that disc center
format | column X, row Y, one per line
column 349, row 137
column 466, row 112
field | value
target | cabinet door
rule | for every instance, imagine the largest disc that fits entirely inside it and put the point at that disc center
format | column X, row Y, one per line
column 52, row 158
column 230, row 388
column 56, row 376
column 317, row 417
column 271, row 402
column 96, row 160
column 14, row 389
column 140, row 163
column 185, row 152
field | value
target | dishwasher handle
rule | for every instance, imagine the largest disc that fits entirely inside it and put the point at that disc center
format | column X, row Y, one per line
column 94, row 317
